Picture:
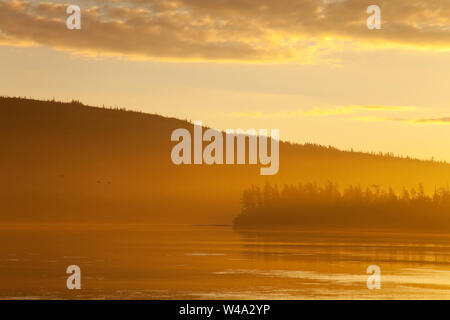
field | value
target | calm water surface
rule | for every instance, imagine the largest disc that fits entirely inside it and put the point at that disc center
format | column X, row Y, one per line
column 208, row 262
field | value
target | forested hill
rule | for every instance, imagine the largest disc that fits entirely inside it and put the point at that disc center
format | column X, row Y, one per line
column 67, row 162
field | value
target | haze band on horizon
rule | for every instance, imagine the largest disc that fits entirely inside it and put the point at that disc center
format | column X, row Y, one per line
column 213, row 152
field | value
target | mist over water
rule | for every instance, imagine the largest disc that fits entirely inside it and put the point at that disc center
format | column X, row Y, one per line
column 216, row 262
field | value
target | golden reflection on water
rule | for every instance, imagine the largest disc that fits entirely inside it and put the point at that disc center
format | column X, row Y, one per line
column 216, row 262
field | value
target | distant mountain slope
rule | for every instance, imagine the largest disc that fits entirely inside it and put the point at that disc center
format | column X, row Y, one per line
column 66, row 162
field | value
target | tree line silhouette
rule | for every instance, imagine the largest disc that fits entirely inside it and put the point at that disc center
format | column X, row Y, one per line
column 313, row 205
column 307, row 147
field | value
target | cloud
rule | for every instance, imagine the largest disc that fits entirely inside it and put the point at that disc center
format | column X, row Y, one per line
column 316, row 112
column 414, row 121
column 302, row 31
column 444, row 120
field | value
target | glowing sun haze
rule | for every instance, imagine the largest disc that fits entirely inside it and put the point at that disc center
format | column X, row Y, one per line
column 310, row 68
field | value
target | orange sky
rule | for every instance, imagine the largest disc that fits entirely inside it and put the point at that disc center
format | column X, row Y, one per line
column 310, row 68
